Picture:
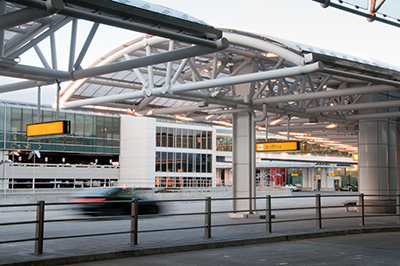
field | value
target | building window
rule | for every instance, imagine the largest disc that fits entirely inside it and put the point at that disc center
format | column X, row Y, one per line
column 183, row 138
column 182, row 181
column 182, row 162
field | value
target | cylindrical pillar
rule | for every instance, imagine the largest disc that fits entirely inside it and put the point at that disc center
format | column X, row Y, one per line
column 312, row 179
column 377, row 168
column 305, row 183
column 324, row 182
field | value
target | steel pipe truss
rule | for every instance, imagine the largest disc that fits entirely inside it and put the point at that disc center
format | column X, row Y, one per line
column 153, row 75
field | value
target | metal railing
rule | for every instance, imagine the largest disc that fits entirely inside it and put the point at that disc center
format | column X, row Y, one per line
column 267, row 219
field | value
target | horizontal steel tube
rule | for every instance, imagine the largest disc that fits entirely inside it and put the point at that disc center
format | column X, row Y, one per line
column 326, row 94
column 203, row 84
column 182, row 53
column 357, row 106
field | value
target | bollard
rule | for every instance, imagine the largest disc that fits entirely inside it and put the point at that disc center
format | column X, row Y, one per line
column 134, row 221
column 207, row 222
column 39, row 232
column 268, row 215
column 318, row 214
column 362, row 211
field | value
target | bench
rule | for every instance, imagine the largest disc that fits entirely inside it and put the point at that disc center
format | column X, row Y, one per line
column 350, row 203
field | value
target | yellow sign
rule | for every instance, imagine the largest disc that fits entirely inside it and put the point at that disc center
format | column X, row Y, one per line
column 332, row 175
column 48, row 128
column 355, row 157
column 278, row 146
column 295, row 174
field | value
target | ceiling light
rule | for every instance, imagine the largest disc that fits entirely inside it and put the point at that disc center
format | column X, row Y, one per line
column 331, row 126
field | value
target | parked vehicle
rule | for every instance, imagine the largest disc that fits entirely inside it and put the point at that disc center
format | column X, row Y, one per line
column 292, row 187
column 349, row 188
column 112, row 201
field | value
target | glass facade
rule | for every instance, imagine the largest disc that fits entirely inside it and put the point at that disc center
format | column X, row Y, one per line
column 183, row 138
column 178, row 160
column 90, row 132
column 183, row 162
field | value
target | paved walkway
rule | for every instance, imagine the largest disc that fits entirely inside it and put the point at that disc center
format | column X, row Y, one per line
column 355, row 250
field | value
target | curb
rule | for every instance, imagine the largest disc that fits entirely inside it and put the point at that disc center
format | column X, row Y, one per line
column 200, row 246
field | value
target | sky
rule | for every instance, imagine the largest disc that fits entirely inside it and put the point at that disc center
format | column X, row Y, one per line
column 302, row 21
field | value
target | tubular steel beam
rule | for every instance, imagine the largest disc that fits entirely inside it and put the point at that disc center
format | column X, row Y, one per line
column 357, row 106
column 186, row 52
column 26, row 15
column 203, row 84
column 326, row 94
column 128, row 24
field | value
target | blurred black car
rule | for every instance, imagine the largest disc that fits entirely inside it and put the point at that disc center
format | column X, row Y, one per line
column 103, row 202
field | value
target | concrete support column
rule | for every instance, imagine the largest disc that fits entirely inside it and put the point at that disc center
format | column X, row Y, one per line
column 324, row 182
column 243, row 161
column 305, row 183
column 313, row 179
column 377, row 158
column 330, row 179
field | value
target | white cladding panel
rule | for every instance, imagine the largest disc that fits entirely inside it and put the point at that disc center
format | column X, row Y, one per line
column 137, row 151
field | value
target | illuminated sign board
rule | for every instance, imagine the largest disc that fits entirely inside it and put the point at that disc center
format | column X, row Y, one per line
column 278, row 146
column 355, row 157
column 62, row 127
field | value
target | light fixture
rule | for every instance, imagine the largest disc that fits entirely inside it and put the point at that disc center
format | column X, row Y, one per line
column 276, row 121
column 331, row 126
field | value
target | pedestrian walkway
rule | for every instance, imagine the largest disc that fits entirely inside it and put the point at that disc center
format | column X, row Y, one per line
column 355, row 250
column 79, row 250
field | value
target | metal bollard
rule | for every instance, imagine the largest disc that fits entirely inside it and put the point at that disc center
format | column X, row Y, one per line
column 134, row 221
column 39, row 232
column 207, row 230
column 268, row 215
column 318, row 214
column 362, row 211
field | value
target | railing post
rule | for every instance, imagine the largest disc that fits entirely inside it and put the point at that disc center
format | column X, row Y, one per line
column 207, row 230
column 268, row 215
column 318, row 214
column 134, row 221
column 39, row 232
column 362, row 211
column 398, row 208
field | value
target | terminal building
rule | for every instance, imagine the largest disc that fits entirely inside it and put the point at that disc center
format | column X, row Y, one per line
column 106, row 149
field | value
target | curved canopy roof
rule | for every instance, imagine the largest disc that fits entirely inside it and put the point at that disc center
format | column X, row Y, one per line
column 318, row 95
column 188, row 70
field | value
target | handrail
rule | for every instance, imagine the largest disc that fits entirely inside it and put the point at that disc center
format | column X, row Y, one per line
column 318, row 208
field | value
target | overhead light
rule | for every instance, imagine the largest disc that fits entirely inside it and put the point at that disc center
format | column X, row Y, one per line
column 269, row 55
column 273, row 123
column 331, row 126
column 209, row 116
